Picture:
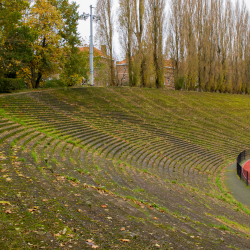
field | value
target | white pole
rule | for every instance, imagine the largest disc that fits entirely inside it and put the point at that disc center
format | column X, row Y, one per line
column 91, row 49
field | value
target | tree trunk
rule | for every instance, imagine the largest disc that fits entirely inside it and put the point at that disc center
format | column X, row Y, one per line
column 141, row 52
column 39, row 77
column 130, row 68
column 33, row 76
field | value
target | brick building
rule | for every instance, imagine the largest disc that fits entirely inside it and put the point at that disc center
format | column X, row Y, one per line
column 122, row 75
column 102, row 73
column 169, row 75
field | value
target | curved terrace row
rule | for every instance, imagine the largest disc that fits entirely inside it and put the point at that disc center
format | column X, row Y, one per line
column 120, row 167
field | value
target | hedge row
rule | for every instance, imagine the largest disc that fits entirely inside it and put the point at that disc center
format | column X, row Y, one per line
column 7, row 85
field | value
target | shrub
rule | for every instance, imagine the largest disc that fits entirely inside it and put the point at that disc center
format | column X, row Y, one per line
column 179, row 83
column 54, row 83
column 7, row 85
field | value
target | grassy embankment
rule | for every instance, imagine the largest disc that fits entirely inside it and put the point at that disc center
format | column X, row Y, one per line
column 121, row 168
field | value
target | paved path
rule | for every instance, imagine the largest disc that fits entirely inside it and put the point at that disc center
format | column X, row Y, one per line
column 246, row 170
column 237, row 187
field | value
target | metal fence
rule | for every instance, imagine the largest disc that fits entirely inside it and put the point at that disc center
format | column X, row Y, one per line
column 241, row 172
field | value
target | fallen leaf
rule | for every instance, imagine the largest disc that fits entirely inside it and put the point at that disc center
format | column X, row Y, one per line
column 103, row 206
column 4, row 203
column 7, row 211
column 70, row 236
column 45, row 200
column 8, row 179
column 157, row 245
column 79, row 210
column 155, row 218
column 91, row 243
column 124, row 240
column 33, row 209
column 192, row 237
column 109, row 218
column 123, row 228
column 64, row 231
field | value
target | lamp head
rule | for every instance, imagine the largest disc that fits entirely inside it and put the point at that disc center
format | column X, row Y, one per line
column 84, row 16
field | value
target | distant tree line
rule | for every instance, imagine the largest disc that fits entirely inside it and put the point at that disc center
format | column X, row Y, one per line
column 207, row 42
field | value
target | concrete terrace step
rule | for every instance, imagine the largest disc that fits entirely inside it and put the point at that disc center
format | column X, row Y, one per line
column 94, row 161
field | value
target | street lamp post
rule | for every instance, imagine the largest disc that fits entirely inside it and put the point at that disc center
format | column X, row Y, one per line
column 85, row 16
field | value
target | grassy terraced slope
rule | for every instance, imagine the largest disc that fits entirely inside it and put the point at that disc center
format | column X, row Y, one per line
column 121, row 168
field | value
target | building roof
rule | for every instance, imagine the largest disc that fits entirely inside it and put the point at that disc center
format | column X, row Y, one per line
column 124, row 62
column 96, row 51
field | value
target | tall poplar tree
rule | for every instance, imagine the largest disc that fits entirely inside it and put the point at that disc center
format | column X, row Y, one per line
column 157, row 17
column 126, row 34
column 208, row 41
column 105, row 31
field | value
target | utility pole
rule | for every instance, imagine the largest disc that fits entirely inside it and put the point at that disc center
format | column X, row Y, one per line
column 84, row 17
column 91, row 52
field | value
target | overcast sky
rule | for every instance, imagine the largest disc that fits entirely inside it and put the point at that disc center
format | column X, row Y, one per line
column 84, row 25
column 84, row 7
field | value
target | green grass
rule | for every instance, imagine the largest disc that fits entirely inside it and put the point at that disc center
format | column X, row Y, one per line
column 81, row 171
column 55, row 160
column 154, row 161
column 3, row 113
column 34, row 155
column 97, row 167
column 72, row 179
column 22, row 159
column 13, row 143
column 242, row 227
column 139, row 190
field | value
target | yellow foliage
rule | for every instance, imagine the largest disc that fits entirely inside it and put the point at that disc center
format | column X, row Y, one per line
column 46, row 20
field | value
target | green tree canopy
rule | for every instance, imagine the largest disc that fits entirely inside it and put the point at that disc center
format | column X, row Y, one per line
column 39, row 39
